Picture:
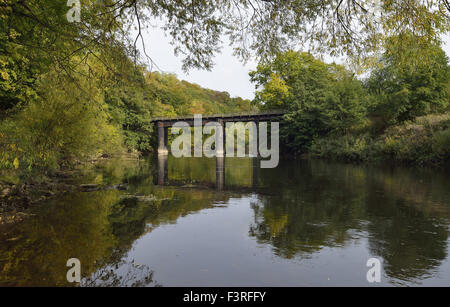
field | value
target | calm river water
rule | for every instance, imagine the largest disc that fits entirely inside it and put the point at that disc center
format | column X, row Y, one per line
column 202, row 222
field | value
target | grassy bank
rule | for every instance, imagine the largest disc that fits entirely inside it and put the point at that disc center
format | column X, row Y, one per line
column 424, row 141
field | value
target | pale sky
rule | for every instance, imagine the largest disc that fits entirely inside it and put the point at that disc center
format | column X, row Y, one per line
column 228, row 74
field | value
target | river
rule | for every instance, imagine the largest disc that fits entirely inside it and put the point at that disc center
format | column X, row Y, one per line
column 202, row 222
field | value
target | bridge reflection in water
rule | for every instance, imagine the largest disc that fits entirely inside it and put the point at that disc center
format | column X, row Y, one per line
column 230, row 173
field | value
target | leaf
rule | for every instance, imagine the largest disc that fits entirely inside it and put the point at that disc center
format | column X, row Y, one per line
column 16, row 163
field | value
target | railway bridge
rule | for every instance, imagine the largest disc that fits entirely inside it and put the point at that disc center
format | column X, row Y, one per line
column 163, row 124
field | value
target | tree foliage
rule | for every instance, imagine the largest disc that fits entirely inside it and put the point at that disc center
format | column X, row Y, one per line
column 404, row 90
column 356, row 28
column 38, row 33
column 97, row 112
column 73, row 90
column 62, row 125
column 319, row 97
column 96, row 63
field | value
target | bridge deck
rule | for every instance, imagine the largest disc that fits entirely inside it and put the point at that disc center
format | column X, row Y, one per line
column 225, row 117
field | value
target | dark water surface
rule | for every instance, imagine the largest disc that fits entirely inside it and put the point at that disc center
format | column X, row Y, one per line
column 202, row 222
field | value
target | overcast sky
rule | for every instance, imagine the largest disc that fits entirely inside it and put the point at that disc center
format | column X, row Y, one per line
column 228, row 74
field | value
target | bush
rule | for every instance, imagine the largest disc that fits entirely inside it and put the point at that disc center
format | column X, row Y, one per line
column 424, row 141
column 63, row 125
column 441, row 145
column 416, row 142
column 355, row 148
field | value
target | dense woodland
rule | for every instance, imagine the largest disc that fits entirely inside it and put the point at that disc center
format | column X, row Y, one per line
column 70, row 91
column 56, row 120
column 399, row 112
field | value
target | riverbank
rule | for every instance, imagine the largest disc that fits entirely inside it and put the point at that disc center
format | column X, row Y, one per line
column 422, row 142
column 20, row 194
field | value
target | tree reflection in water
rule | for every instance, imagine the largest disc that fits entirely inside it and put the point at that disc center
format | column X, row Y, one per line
column 298, row 209
column 405, row 214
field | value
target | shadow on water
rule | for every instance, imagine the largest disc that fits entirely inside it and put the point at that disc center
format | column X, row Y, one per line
column 298, row 210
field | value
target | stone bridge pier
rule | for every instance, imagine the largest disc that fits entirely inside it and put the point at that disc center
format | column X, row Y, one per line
column 163, row 135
